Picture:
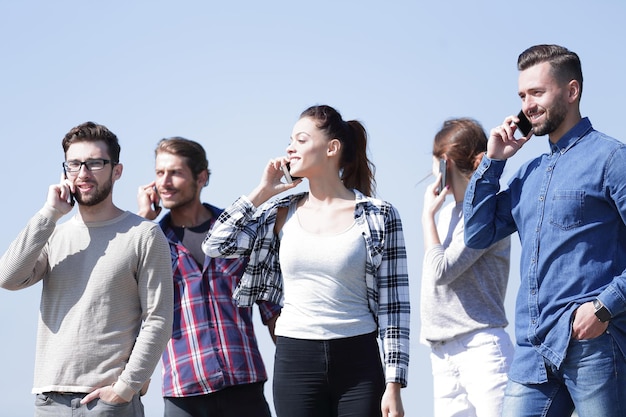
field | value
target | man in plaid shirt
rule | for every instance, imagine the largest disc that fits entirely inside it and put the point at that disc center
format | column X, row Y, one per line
column 212, row 365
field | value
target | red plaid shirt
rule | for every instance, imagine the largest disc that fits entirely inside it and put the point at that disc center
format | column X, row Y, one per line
column 213, row 345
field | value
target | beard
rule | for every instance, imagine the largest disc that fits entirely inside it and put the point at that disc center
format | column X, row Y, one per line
column 555, row 116
column 100, row 193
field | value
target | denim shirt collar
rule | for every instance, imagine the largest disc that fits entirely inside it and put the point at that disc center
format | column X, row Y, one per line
column 572, row 137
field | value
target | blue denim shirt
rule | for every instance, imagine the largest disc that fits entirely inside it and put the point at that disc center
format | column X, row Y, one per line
column 569, row 209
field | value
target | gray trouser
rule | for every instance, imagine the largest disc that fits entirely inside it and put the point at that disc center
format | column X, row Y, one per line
column 52, row 404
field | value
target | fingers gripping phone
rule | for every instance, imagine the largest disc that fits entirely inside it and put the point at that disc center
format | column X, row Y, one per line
column 287, row 174
column 524, row 124
column 443, row 170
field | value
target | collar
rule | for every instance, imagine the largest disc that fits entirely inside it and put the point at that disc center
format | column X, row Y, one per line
column 572, row 137
column 166, row 221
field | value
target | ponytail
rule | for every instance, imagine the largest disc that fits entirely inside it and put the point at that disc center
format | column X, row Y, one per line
column 356, row 170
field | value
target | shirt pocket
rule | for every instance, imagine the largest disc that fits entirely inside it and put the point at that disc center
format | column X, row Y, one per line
column 567, row 209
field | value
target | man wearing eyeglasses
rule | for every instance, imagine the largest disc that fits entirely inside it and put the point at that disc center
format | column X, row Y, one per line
column 106, row 305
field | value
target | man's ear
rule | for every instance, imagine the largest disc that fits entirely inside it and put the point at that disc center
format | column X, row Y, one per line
column 203, row 178
column 573, row 91
column 117, row 171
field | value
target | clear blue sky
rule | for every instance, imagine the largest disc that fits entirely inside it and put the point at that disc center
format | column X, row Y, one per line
column 235, row 76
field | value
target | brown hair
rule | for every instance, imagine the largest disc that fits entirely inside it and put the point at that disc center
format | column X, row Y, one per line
column 357, row 171
column 192, row 152
column 93, row 132
column 565, row 64
column 463, row 141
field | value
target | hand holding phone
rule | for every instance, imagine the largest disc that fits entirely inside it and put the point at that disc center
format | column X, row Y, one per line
column 524, row 124
column 148, row 201
column 443, row 170
column 287, row 174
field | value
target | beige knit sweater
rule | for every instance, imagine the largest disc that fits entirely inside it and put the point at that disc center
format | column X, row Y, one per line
column 106, row 304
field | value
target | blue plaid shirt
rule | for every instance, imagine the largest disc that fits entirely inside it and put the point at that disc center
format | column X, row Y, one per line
column 243, row 230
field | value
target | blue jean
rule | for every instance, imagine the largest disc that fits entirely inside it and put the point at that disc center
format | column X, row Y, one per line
column 592, row 380
column 328, row 378
column 246, row 400
column 68, row 405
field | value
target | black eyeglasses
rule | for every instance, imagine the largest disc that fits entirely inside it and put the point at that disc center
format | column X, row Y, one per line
column 91, row 165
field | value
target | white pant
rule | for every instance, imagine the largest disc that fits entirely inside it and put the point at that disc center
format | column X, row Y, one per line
column 470, row 373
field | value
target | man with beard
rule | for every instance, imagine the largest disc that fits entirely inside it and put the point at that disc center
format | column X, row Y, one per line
column 106, row 303
column 212, row 366
column 569, row 208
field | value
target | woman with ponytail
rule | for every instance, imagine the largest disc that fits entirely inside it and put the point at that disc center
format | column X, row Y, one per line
column 463, row 289
column 334, row 258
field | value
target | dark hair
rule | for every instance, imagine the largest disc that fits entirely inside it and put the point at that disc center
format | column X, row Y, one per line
column 565, row 64
column 357, row 171
column 192, row 152
column 92, row 132
column 463, row 141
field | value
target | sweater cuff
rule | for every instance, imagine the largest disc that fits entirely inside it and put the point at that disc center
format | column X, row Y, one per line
column 123, row 390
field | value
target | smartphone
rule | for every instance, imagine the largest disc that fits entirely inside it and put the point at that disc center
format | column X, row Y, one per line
column 72, row 199
column 443, row 169
column 155, row 204
column 524, row 124
column 287, row 174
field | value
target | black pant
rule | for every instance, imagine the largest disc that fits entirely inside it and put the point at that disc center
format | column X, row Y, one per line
column 238, row 401
column 334, row 378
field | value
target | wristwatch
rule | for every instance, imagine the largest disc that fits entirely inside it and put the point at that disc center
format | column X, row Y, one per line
column 602, row 313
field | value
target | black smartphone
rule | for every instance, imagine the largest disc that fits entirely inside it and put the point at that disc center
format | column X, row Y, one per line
column 287, row 174
column 443, row 169
column 72, row 199
column 155, row 204
column 524, row 124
